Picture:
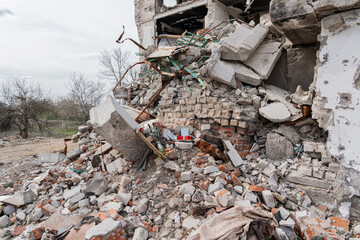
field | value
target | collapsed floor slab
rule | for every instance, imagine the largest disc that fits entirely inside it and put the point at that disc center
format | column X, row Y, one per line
column 118, row 128
column 240, row 44
column 263, row 60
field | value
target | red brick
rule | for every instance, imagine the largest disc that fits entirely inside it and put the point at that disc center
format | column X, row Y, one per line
column 256, row 188
column 243, row 154
column 237, row 172
column 229, row 134
column 222, row 168
column 19, row 230
column 245, row 147
column 340, row 222
column 235, row 180
column 242, row 131
column 215, row 127
column 204, row 185
column 227, row 129
column 244, row 141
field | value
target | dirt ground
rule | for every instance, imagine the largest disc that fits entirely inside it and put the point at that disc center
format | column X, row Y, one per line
column 20, row 150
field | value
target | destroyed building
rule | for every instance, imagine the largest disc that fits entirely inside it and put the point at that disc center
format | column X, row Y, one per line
column 243, row 124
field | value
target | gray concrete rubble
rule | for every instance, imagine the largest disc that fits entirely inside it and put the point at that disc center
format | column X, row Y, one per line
column 114, row 123
column 264, row 58
column 241, row 44
column 51, row 157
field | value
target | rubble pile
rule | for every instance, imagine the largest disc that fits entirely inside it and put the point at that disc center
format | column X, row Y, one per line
column 96, row 193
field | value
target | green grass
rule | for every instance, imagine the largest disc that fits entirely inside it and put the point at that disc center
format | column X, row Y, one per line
column 59, row 129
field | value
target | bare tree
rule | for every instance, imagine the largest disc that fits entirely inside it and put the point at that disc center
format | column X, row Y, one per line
column 113, row 64
column 23, row 103
column 84, row 93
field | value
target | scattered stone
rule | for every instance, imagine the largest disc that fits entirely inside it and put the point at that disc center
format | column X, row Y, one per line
column 124, row 198
column 278, row 147
column 8, row 210
column 268, row 198
column 112, row 205
column 190, row 223
column 187, row 189
column 98, row 185
column 4, row 221
column 211, row 169
column 186, row 176
column 140, row 234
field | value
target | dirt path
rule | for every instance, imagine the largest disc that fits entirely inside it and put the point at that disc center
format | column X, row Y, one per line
column 17, row 151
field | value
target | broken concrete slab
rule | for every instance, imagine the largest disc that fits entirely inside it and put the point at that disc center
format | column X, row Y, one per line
column 233, row 154
column 307, row 181
column 245, row 74
column 73, row 153
column 264, row 59
column 16, row 201
column 279, row 95
column 297, row 19
column 72, row 192
column 112, row 121
column 275, row 112
column 58, row 221
column 51, row 157
column 220, row 71
column 328, row 7
column 278, row 147
column 240, row 44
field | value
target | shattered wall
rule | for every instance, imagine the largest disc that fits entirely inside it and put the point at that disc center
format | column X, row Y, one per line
column 237, row 105
column 337, row 84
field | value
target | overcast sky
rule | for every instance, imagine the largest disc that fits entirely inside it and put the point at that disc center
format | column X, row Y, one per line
column 44, row 40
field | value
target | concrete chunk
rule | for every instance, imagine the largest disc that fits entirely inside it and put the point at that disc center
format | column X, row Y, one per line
column 297, row 19
column 51, row 157
column 221, row 71
column 233, row 154
column 98, row 185
column 268, row 198
column 275, row 112
column 140, row 234
column 104, row 228
column 72, row 192
column 278, row 147
column 118, row 128
column 263, row 60
column 240, row 44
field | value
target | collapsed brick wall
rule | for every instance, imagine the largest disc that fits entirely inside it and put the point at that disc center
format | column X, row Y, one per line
column 231, row 111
